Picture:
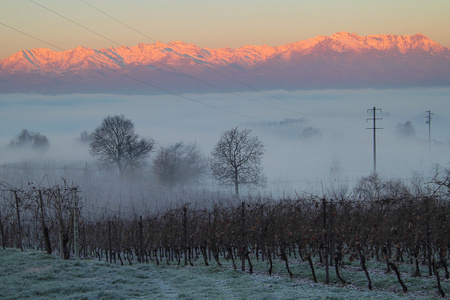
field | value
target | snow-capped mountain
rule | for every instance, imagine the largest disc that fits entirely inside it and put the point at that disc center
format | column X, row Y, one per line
column 342, row 60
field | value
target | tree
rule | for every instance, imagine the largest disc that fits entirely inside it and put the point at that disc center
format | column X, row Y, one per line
column 309, row 132
column 405, row 130
column 33, row 140
column 179, row 164
column 85, row 137
column 114, row 142
column 375, row 188
column 236, row 159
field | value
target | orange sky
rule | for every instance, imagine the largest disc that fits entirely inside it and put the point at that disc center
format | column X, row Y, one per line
column 213, row 24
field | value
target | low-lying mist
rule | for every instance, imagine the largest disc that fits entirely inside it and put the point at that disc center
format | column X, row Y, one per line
column 314, row 140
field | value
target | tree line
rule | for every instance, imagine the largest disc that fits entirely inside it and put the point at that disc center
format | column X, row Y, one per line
column 236, row 159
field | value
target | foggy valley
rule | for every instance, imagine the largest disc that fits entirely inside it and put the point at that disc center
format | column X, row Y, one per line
column 315, row 140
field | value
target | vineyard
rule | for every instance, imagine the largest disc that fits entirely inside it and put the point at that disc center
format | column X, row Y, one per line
column 397, row 229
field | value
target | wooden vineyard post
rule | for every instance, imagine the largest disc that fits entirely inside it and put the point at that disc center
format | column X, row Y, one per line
column 19, row 225
column 427, row 220
column 185, row 235
column 141, row 240
column 332, row 240
column 75, row 225
column 325, row 242
column 109, row 241
column 243, row 246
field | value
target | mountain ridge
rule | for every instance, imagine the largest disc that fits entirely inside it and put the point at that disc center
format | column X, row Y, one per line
column 339, row 59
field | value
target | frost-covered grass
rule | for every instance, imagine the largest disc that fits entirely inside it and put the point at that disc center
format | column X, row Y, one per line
column 34, row 275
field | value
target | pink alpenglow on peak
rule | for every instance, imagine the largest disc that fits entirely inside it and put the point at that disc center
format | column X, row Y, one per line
column 342, row 60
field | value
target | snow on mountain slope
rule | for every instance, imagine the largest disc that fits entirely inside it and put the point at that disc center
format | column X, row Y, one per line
column 308, row 60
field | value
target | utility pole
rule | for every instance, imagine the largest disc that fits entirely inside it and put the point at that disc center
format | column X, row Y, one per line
column 374, row 119
column 428, row 121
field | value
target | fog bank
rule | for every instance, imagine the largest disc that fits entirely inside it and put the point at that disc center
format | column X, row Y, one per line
column 313, row 139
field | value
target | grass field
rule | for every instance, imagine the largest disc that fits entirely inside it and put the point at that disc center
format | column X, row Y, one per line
column 34, row 275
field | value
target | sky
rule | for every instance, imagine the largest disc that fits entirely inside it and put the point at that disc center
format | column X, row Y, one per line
column 210, row 23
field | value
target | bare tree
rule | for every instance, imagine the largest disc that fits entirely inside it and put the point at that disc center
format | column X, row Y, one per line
column 236, row 159
column 375, row 188
column 179, row 164
column 33, row 140
column 441, row 179
column 405, row 130
column 85, row 137
column 310, row 132
column 114, row 142
column 10, row 205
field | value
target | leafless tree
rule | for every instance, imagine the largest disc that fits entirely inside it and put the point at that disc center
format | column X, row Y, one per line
column 374, row 187
column 310, row 132
column 236, row 159
column 405, row 130
column 33, row 140
column 440, row 183
column 61, row 203
column 115, row 142
column 7, row 209
column 179, row 163
column 85, row 137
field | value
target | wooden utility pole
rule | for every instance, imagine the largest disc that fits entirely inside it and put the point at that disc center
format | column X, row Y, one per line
column 428, row 121
column 374, row 119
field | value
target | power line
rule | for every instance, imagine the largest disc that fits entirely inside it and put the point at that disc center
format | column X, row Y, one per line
column 152, row 85
column 31, row 36
column 215, row 71
column 117, row 20
column 163, row 89
column 136, row 79
column 165, row 65
column 267, row 94
column 180, row 95
column 76, row 23
column 145, row 82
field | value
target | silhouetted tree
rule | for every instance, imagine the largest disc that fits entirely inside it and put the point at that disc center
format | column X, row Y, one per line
column 85, row 137
column 179, row 163
column 374, row 187
column 236, row 159
column 34, row 140
column 310, row 132
column 115, row 142
column 406, row 130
